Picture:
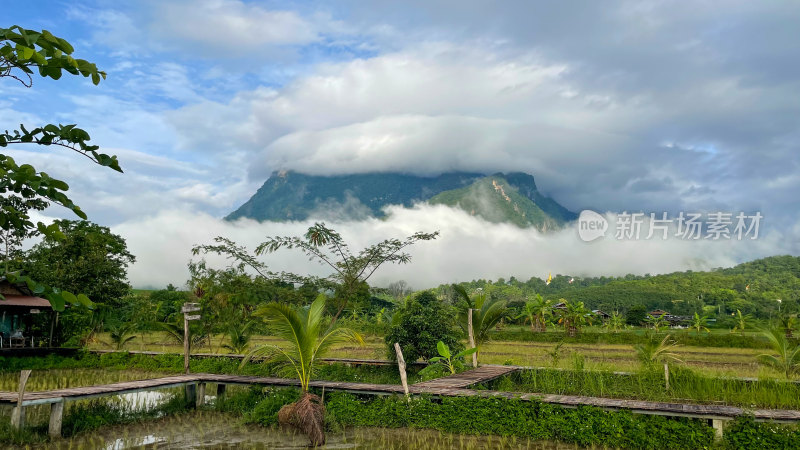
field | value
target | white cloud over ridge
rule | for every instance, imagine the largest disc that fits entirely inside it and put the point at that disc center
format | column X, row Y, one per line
column 468, row 248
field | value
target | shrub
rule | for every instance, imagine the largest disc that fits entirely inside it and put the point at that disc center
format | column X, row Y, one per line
column 419, row 325
column 584, row 426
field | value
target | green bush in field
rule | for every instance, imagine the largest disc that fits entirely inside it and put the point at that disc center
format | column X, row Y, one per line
column 419, row 325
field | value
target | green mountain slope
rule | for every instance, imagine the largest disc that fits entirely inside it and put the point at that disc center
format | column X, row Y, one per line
column 290, row 195
column 495, row 199
column 296, row 196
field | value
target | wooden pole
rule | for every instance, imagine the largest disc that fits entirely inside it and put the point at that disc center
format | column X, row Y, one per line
column 201, row 394
column 185, row 344
column 18, row 415
column 471, row 338
column 666, row 375
column 401, row 364
column 52, row 328
column 56, row 419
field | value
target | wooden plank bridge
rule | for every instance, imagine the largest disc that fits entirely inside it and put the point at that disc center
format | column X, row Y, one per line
column 450, row 386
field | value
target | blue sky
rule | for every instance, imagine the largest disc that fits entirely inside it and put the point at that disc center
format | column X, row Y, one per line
column 613, row 106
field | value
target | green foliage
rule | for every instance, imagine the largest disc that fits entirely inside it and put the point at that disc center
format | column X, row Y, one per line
column 787, row 357
column 21, row 51
column 752, row 287
column 486, row 314
column 699, row 323
column 121, row 335
column 656, row 322
column 615, row 322
column 635, row 337
column 306, row 337
column 742, row 321
column 496, row 200
column 573, row 317
column 259, row 405
column 654, row 352
column 685, row 384
column 537, row 312
column 636, row 315
column 745, row 433
column 239, row 334
column 452, row 363
column 288, row 195
column 584, row 426
column 324, row 245
column 419, row 325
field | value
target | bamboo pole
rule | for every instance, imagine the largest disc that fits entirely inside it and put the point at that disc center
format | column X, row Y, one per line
column 666, row 374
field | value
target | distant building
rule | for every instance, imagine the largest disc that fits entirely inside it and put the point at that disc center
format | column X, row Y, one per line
column 602, row 315
column 17, row 313
column 672, row 319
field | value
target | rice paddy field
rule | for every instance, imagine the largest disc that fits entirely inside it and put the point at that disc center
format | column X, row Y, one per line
column 713, row 361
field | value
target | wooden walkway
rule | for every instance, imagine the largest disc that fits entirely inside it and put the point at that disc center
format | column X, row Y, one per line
column 451, row 386
column 464, row 379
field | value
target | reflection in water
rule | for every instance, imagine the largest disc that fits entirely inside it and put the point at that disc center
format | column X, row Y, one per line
column 213, row 430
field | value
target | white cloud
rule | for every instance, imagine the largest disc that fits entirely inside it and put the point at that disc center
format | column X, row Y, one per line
column 229, row 28
column 468, row 248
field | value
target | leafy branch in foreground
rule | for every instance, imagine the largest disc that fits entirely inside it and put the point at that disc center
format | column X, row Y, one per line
column 327, row 247
column 22, row 51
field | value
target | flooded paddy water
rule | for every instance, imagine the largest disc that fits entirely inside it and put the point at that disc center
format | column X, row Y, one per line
column 213, row 430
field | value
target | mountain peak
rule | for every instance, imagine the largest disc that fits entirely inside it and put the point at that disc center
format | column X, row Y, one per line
column 512, row 197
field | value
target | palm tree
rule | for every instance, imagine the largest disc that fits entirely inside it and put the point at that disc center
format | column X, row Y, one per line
column 239, row 333
column 653, row 352
column 788, row 356
column 121, row 335
column 699, row 323
column 741, row 322
column 485, row 315
column 574, row 316
column 536, row 312
column 307, row 339
column 174, row 332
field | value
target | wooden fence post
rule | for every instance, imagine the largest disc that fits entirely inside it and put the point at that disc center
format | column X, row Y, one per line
column 666, row 374
column 186, row 342
column 56, row 419
column 401, row 364
column 471, row 338
column 18, row 415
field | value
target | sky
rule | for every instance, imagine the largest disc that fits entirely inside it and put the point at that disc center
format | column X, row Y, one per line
column 613, row 106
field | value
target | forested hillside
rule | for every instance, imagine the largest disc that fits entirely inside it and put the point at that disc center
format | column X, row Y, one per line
column 761, row 288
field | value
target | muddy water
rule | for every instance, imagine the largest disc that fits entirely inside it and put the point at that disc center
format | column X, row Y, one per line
column 212, row 430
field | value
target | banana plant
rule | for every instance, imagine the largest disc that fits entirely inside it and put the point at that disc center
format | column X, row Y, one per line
column 451, row 363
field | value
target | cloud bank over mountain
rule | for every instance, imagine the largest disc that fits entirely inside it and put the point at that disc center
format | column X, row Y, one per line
column 468, row 248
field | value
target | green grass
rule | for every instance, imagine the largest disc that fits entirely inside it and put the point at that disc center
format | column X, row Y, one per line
column 685, row 386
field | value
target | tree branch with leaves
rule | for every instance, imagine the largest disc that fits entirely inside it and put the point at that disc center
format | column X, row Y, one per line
column 326, row 247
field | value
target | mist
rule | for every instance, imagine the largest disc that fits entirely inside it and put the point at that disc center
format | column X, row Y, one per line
column 468, row 248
